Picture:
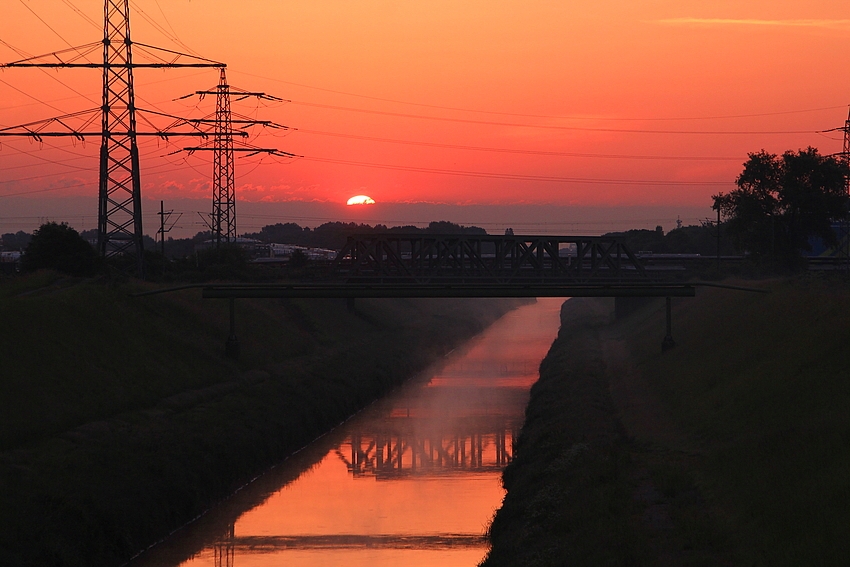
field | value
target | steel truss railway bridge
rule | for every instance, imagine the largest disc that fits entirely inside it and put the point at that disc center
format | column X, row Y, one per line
column 475, row 266
column 472, row 265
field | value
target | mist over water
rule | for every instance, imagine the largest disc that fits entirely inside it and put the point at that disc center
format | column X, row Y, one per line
column 413, row 480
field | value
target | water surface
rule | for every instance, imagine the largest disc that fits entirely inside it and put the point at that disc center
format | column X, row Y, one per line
column 413, row 480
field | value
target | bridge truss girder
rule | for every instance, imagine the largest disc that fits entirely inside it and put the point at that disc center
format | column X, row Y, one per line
column 429, row 259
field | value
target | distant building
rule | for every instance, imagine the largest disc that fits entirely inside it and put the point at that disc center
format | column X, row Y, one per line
column 10, row 261
column 279, row 253
column 841, row 250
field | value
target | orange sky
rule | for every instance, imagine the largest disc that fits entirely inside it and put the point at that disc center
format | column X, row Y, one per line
column 525, row 77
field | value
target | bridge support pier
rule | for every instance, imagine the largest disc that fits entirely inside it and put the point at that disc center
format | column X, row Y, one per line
column 231, row 347
column 668, row 341
column 349, row 303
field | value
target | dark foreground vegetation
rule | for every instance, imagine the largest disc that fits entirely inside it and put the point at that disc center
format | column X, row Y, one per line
column 733, row 448
column 121, row 418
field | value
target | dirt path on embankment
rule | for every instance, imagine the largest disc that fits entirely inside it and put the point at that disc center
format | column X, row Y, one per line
column 731, row 449
column 657, row 448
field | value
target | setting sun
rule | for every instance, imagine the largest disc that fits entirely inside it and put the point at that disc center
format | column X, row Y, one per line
column 361, row 200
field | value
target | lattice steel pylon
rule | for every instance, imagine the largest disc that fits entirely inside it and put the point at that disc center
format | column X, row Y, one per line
column 119, row 186
column 223, row 145
column 224, row 182
column 119, row 218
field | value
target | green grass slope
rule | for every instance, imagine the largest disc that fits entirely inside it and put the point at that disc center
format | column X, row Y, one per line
column 121, row 418
column 731, row 449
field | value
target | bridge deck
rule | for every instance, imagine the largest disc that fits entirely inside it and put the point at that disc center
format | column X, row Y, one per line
column 362, row 290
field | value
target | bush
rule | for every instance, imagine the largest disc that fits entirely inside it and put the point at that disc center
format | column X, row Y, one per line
column 60, row 247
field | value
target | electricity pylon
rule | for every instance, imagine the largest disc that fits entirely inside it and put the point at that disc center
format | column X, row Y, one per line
column 119, row 226
column 224, row 170
column 223, row 145
column 119, row 190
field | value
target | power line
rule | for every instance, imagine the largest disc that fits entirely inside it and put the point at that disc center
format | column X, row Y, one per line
column 81, row 14
column 24, row 4
column 517, row 177
column 546, row 116
column 86, row 96
column 172, row 37
column 32, row 97
column 551, row 126
column 514, row 151
column 52, row 161
column 2, row 195
column 119, row 185
column 149, row 170
column 44, row 71
column 164, row 17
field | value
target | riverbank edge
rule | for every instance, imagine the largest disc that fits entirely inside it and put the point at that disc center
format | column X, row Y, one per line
column 730, row 449
column 566, row 502
column 101, row 492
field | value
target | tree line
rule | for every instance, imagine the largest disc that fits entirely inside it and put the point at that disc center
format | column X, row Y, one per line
column 780, row 205
column 783, row 202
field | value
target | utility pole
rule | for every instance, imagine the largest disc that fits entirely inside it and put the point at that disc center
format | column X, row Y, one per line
column 708, row 224
column 119, row 226
column 845, row 152
column 718, row 239
column 163, row 218
column 162, row 226
column 844, row 156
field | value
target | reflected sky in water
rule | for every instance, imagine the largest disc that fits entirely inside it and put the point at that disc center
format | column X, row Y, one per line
column 413, row 480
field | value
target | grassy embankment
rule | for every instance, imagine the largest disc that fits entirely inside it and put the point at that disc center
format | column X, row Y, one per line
column 731, row 449
column 120, row 418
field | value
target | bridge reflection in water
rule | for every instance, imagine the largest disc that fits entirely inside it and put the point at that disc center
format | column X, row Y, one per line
column 400, row 448
column 412, row 480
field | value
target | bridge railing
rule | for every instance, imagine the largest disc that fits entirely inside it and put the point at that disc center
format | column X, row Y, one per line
column 416, row 258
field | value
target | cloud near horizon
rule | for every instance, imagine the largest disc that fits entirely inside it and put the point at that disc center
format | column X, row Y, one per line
column 822, row 23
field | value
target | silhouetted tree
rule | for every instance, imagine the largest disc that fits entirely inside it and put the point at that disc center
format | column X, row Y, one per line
column 59, row 247
column 782, row 201
column 447, row 227
column 15, row 241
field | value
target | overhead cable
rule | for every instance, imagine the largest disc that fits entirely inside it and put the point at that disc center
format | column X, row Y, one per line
column 514, row 151
column 518, row 177
column 551, row 126
column 547, row 116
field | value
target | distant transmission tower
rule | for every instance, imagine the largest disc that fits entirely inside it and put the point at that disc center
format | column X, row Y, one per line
column 223, row 146
column 119, row 225
column 224, row 182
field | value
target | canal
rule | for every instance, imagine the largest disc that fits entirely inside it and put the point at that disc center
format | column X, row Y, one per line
column 412, row 480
